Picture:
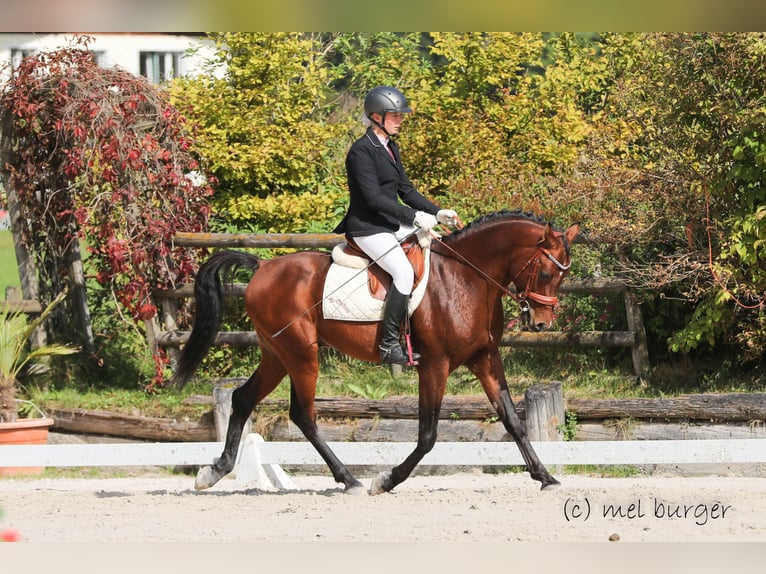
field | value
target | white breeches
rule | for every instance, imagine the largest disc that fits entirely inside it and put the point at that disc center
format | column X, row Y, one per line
column 385, row 250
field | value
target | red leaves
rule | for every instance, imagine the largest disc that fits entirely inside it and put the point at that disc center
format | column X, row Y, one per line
column 101, row 152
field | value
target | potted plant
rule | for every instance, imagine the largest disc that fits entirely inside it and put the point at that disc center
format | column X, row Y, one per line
column 17, row 357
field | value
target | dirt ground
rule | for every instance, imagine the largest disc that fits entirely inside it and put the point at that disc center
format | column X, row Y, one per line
column 463, row 507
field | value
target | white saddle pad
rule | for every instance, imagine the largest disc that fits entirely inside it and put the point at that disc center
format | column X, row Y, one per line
column 346, row 296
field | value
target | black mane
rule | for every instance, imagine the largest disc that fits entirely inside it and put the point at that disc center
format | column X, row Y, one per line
column 503, row 214
column 496, row 216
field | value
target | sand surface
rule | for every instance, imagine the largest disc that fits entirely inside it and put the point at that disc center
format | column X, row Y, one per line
column 462, row 507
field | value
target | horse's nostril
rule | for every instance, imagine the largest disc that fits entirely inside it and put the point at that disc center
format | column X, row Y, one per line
column 541, row 327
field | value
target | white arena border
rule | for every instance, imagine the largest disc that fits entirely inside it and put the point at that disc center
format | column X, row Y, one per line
column 258, row 461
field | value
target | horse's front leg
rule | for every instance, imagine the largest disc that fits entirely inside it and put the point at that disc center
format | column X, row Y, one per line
column 489, row 370
column 430, row 397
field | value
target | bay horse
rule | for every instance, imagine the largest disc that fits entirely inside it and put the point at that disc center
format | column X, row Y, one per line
column 459, row 322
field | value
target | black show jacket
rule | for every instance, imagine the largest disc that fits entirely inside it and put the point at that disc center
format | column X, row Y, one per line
column 375, row 181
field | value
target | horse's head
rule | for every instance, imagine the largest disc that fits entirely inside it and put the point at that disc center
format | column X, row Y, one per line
column 538, row 281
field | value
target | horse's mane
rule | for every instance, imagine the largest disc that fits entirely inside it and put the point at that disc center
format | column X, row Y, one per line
column 501, row 215
column 516, row 214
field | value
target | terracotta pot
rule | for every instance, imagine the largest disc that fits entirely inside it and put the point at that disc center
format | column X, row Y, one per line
column 24, row 431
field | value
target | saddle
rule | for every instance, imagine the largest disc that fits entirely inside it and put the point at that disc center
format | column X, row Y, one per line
column 348, row 254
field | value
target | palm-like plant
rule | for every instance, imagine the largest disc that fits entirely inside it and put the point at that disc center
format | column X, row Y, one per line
column 15, row 354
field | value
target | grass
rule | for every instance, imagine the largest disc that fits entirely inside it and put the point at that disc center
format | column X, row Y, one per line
column 9, row 273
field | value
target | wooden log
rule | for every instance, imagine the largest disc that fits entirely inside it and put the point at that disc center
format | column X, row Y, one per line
column 734, row 407
column 561, row 339
column 15, row 304
column 454, row 407
column 232, row 338
column 587, row 286
column 116, row 424
column 544, row 409
column 520, row 339
column 381, row 429
column 721, row 407
column 299, row 240
column 267, row 240
column 638, row 430
column 400, row 430
column 390, row 430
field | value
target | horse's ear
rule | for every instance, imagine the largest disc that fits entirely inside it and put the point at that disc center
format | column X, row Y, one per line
column 572, row 232
column 547, row 235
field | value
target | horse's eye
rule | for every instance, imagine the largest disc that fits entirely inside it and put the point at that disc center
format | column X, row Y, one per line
column 545, row 276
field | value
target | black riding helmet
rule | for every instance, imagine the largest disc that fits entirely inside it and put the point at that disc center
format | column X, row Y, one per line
column 382, row 100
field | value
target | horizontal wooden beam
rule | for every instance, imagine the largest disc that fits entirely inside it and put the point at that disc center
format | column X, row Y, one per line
column 21, row 306
column 587, row 286
column 253, row 240
column 270, row 240
column 574, row 339
column 172, row 339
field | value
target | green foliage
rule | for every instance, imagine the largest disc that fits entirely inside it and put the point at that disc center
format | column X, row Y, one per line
column 17, row 356
column 305, row 212
column 569, row 428
column 9, row 274
column 265, row 126
column 368, row 391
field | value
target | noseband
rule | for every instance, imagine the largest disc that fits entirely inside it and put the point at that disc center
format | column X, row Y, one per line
column 527, row 294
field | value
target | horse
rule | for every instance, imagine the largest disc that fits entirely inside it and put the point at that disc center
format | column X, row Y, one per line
column 458, row 322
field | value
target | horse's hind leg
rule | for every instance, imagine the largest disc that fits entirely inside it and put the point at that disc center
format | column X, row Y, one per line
column 489, row 369
column 243, row 400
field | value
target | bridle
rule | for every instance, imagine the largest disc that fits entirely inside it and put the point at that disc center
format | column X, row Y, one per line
column 527, row 294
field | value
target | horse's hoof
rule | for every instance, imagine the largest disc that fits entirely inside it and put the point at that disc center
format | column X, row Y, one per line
column 551, row 486
column 356, row 490
column 381, row 483
column 206, row 477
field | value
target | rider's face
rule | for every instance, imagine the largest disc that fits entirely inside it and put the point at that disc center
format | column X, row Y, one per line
column 392, row 121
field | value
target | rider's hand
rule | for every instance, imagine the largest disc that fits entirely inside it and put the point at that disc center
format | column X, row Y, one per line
column 425, row 221
column 447, row 217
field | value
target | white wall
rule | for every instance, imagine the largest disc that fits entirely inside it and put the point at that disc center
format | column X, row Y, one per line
column 119, row 49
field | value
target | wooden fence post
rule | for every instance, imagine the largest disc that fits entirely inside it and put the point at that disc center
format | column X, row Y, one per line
column 222, row 410
column 636, row 325
column 30, row 286
column 544, row 411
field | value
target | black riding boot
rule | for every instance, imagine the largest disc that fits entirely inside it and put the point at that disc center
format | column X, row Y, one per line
column 391, row 351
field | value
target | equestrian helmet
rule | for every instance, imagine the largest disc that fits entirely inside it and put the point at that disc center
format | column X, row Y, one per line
column 385, row 99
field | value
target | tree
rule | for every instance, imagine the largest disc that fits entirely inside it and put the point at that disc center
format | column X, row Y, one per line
column 689, row 151
column 265, row 125
column 100, row 157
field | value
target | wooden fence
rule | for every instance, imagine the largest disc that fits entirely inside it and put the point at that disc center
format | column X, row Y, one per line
column 165, row 333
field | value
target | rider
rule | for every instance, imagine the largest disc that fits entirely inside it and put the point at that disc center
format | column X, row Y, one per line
column 375, row 220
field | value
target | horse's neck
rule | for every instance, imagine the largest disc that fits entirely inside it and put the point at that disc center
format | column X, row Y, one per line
column 491, row 253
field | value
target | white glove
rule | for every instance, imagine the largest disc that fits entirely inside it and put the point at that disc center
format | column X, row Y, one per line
column 447, row 217
column 425, row 221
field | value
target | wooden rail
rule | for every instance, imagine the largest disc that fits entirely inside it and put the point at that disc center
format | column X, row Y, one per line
column 15, row 304
column 169, row 336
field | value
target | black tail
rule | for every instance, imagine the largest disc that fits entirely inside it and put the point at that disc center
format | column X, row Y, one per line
column 208, row 296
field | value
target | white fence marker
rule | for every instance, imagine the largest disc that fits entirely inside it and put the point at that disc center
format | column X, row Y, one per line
column 259, row 461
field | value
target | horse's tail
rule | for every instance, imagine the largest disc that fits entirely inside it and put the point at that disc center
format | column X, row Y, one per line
column 208, row 296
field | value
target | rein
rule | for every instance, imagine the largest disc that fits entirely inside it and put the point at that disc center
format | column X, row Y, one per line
column 527, row 293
